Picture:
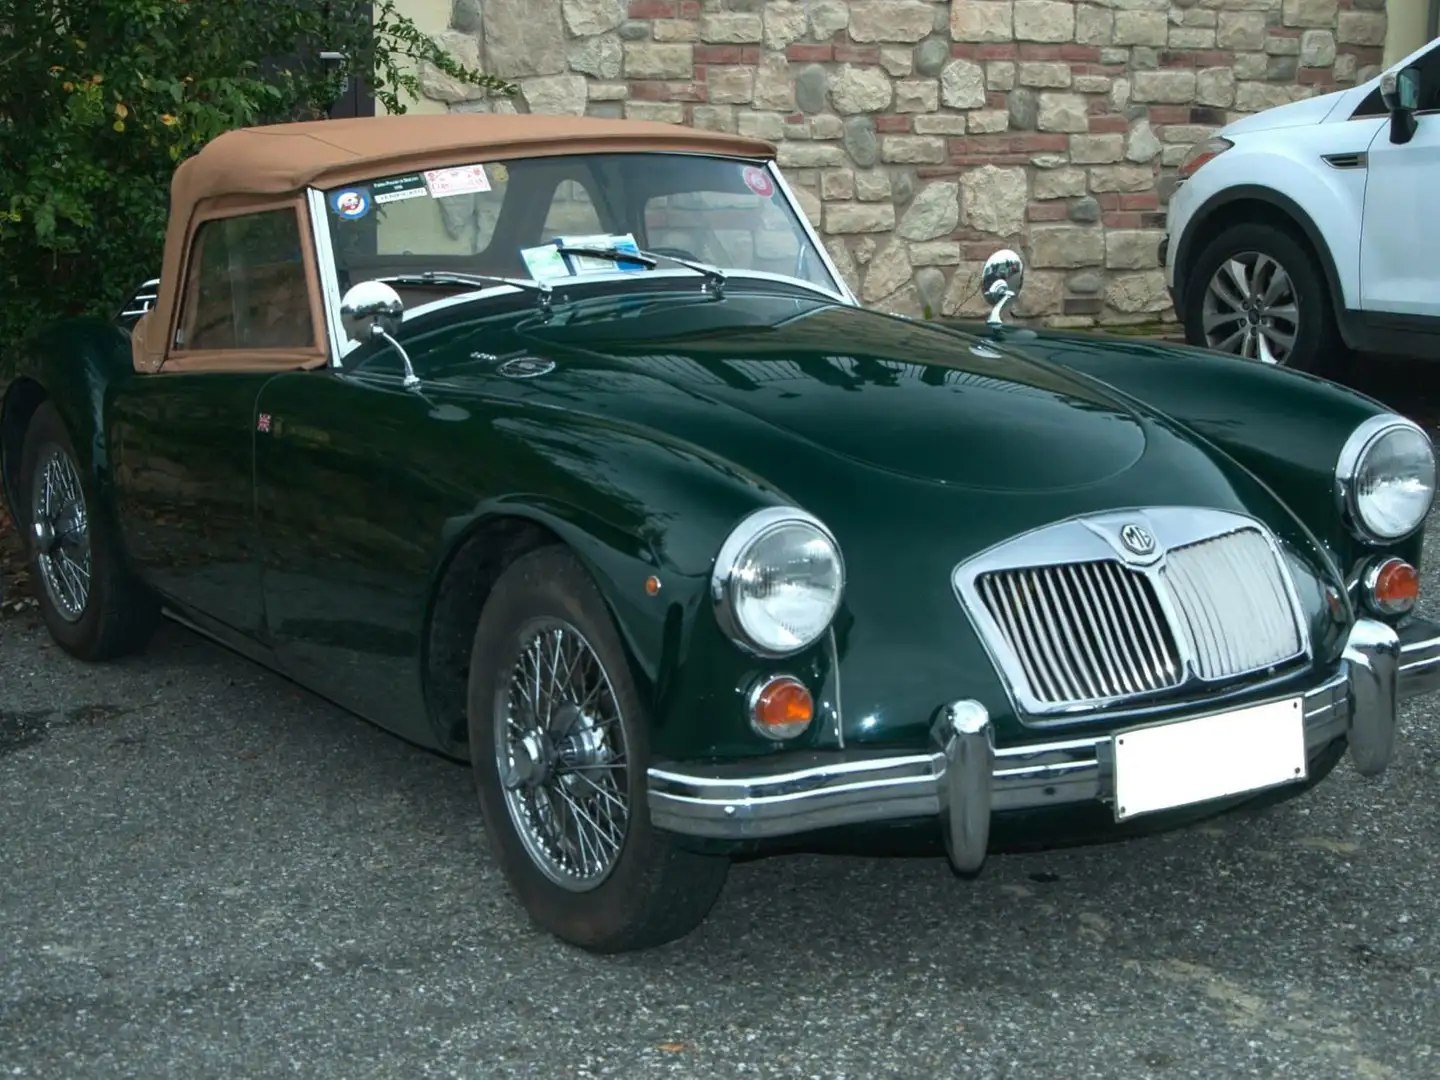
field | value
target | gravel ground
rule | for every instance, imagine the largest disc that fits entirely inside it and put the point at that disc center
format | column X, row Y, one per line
column 208, row 872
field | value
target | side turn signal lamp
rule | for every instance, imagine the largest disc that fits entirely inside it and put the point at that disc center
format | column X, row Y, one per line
column 781, row 707
column 1391, row 587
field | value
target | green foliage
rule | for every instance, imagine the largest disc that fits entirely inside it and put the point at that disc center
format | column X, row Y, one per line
column 100, row 99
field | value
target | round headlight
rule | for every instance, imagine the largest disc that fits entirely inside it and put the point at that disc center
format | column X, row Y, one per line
column 778, row 581
column 1385, row 478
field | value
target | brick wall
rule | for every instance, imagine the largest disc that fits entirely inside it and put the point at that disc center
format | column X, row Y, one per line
column 923, row 135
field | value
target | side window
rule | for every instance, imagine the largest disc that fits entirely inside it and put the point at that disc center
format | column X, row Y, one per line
column 246, row 287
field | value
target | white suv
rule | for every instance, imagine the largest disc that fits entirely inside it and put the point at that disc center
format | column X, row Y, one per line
column 1308, row 231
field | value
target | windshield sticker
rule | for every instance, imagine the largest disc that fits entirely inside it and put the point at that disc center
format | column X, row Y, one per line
column 397, row 188
column 499, row 173
column 545, row 263
column 351, row 203
column 758, row 181
column 462, row 180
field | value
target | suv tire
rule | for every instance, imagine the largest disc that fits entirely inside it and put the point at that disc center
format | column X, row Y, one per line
column 1255, row 291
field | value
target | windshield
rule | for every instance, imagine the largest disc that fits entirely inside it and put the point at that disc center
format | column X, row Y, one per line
column 509, row 217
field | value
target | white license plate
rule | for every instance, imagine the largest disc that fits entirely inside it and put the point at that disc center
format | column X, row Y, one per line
column 1170, row 765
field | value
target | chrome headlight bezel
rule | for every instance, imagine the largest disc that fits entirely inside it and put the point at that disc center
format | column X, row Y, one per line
column 1353, row 455
column 732, row 555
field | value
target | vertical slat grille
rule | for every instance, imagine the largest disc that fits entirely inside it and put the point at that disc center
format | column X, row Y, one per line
column 1099, row 631
column 1083, row 631
column 1232, row 604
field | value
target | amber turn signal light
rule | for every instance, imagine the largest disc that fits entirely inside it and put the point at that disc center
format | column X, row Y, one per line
column 781, row 707
column 1391, row 587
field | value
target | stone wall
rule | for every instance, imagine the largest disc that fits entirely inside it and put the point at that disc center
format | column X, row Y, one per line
column 924, row 135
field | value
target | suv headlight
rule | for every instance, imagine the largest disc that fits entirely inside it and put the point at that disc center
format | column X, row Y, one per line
column 777, row 581
column 1202, row 152
column 1385, row 478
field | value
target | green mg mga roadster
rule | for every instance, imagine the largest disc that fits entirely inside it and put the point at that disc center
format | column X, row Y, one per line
column 559, row 446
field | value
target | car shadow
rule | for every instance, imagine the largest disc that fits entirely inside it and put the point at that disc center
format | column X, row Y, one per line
column 403, row 819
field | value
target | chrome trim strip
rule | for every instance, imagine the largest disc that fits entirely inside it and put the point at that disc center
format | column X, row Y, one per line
column 1119, row 614
column 833, row 651
column 329, row 279
column 812, row 234
column 788, row 794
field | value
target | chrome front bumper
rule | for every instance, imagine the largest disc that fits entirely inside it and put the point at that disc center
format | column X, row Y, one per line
column 964, row 779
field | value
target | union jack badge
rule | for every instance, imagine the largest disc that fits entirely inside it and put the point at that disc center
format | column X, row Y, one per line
column 263, row 424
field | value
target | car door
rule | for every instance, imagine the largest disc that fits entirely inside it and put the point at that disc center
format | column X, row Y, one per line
column 1400, row 230
column 182, row 437
column 349, row 514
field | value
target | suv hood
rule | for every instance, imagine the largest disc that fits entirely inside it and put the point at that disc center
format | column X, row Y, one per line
column 1296, row 114
column 879, row 391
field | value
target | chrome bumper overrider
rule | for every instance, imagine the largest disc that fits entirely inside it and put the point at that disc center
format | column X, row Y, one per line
column 964, row 779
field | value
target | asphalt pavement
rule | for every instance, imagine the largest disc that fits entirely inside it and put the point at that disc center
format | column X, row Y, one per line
column 208, row 872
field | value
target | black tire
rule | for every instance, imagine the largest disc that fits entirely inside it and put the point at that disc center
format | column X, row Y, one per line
column 1318, row 347
column 119, row 614
column 655, row 891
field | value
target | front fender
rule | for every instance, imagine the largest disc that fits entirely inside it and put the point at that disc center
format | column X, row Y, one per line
column 1286, row 428
column 1298, row 185
column 631, row 504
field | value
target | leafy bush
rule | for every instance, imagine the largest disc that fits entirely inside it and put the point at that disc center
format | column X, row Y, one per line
column 100, row 99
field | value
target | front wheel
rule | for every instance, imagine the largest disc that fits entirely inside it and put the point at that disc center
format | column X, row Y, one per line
column 559, row 748
column 92, row 606
column 1256, row 292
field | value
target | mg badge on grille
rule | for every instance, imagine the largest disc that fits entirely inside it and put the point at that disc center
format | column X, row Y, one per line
column 1137, row 539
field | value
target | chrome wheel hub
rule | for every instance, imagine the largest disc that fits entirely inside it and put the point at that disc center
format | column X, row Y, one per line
column 561, row 755
column 61, row 533
column 1250, row 309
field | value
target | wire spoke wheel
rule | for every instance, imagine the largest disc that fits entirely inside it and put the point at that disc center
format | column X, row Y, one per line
column 561, row 755
column 60, row 527
column 1250, row 308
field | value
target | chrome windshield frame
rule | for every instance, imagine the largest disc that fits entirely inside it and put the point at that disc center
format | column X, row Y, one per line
column 341, row 346
column 811, row 233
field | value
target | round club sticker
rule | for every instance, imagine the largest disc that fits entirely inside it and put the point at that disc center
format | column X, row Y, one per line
column 758, row 181
column 351, row 203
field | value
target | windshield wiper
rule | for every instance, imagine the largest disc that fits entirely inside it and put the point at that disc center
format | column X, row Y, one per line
column 431, row 277
column 714, row 276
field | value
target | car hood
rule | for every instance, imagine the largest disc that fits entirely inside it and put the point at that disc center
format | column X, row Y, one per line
column 919, row 446
column 881, row 392
column 1296, row 114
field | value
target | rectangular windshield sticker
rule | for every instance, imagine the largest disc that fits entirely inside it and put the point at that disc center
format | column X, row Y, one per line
column 398, row 187
column 461, row 180
column 545, row 262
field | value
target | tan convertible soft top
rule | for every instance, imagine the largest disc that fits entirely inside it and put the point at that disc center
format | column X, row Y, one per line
column 275, row 163
column 288, row 157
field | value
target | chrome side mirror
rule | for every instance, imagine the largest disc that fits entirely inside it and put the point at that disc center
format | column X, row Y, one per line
column 382, row 306
column 376, row 301
column 1001, row 281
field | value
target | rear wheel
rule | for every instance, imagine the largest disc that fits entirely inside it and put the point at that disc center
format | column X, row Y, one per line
column 1258, row 293
column 92, row 606
column 559, row 749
